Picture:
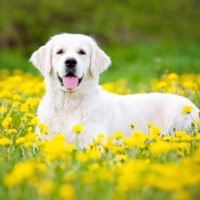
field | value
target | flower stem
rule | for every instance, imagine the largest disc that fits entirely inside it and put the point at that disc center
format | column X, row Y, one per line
column 76, row 140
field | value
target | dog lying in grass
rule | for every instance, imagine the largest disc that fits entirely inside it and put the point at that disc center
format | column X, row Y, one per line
column 71, row 65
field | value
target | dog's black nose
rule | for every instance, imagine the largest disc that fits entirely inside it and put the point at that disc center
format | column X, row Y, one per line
column 70, row 62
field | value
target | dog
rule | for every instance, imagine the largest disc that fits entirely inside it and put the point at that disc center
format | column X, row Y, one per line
column 71, row 65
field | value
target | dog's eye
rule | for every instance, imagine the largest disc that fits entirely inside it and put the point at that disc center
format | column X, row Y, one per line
column 60, row 51
column 81, row 52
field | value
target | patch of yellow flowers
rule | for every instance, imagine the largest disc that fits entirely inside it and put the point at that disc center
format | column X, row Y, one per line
column 186, row 84
column 142, row 166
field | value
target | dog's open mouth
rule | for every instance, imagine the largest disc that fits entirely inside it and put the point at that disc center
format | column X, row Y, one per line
column 70, row 81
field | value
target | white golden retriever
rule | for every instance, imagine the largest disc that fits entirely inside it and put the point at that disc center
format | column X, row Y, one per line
column 71, row 64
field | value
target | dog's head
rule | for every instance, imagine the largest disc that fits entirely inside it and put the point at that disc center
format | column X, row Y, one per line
column 71, row 59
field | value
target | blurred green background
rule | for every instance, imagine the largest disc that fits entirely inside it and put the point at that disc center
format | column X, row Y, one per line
column 143, row 38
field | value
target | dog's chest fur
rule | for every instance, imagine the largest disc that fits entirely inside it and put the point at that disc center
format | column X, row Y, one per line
column 61, row 114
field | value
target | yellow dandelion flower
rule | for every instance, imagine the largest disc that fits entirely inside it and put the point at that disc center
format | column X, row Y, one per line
column 12, row 131
column 20, row 172
column 93, row 167
column 98, row 141
column 45, row 187
column 149, row 125
column 5, row 141
column 77, row 128
column 166, row 138
column 44, row 131
column 170, row 90
column 132, row 125
column 108, row 87
column 34, row 121
column 16, row 104
column 3, row 110
column 70, row 148
column 179, row 153
column 28, row 144
column 118, row 135
column 31, row 136
column 91, row 145
column 41, row 126
column 93, row 154
column 160, row 85
column 59, row 136
column 20, row 140
column 181, row 92
column 101, row 136
column 30, row 129
column 16, row 97
column 155, row 130
column 197, row 122
column 30, row 115
column 172, row 76
column 82, row 157
column 23, row 118
column 186, row 110
column 180, row 134
column 121, row 157
column 117, row 149
column 6, row 122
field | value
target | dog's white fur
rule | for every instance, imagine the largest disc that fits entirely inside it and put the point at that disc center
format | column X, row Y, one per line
column 97, row 110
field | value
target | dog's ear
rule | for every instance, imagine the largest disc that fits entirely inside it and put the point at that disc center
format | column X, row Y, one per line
column 41, row 59
column 99, row 61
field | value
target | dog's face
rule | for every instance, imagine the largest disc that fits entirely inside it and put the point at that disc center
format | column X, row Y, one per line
column 70, row 59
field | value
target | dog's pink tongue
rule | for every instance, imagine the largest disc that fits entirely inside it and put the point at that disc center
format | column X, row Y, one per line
column 70, row 82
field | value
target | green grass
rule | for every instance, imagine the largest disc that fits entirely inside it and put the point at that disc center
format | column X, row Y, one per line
column 138, row 64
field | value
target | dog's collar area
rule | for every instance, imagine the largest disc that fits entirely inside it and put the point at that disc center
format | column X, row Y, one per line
column 69, row 75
